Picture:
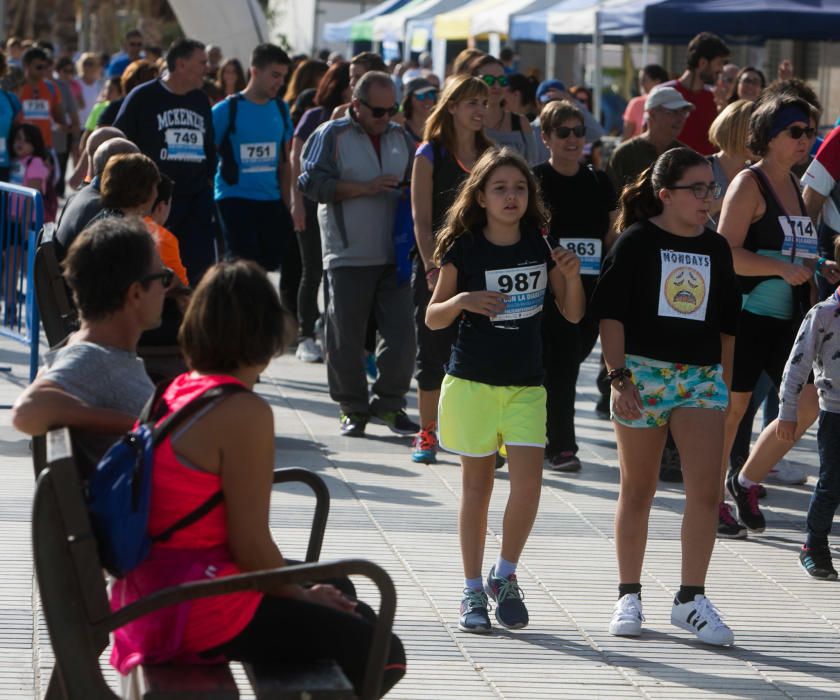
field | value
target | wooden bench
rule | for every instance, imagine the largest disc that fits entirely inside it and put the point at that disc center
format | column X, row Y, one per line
column 79, row 619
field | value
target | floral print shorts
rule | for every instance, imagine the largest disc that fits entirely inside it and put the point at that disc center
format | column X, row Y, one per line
column 665, row 386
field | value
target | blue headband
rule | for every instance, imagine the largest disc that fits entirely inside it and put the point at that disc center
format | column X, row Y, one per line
column 786, row 117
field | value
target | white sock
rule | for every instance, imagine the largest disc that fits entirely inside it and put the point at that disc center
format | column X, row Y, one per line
column 744, row 481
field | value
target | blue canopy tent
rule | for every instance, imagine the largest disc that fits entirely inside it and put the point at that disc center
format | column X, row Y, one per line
column 757, row 20
column 341, row 31
column 572, row 21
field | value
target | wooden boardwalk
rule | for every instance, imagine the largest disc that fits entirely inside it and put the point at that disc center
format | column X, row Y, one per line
column 403, row 516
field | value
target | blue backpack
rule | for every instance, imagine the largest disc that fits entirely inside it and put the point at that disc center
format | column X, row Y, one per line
column 119, row 491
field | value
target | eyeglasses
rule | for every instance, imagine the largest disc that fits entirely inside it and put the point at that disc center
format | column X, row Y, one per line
column 563, row 132
column 701, row 190
column 166, row 276
column 428, row 95
column 797, row 132
column 755, row 82
column 491, row 80
column 379, row 112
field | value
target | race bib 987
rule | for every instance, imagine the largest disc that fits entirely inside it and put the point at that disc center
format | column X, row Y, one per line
column 524, row 285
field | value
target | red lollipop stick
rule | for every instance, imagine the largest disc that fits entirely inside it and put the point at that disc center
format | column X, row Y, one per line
column 544, row 234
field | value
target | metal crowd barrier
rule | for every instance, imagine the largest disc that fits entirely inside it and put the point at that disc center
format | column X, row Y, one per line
column 21, row 218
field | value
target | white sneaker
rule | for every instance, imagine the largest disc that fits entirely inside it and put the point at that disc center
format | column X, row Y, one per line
column 309, row 351
column 703, row 619
column 627, row 616
column 787, row 473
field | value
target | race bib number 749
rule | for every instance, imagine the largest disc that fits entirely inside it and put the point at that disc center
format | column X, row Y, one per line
column 524, row 285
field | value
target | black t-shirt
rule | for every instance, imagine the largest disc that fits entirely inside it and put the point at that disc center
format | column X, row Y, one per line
column 674, row 295
column 109, row 114
column 78, row 211
column 505, row 351
column 580, row 208
column 175, row 131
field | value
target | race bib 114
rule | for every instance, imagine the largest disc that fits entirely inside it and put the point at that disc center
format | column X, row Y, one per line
column 800, row 236
column 524, row 285
column 685, row 284
column 589, row 252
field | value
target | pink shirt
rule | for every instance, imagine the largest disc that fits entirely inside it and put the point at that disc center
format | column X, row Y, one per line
column 635, row 112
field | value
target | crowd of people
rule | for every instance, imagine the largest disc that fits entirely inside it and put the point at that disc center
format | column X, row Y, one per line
column 694, row 252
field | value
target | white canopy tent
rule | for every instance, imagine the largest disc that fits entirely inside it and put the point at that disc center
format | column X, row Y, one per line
column 235, row 26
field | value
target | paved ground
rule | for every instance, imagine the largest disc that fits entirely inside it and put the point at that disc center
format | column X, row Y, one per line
column 403, row 516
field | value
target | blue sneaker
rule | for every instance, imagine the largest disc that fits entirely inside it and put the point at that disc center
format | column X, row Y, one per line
column 474, row 616
column 371, row 369
column 510, row 610
column 425, row 446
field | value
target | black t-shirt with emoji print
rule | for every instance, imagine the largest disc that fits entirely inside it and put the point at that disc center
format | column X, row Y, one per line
column 674, row 295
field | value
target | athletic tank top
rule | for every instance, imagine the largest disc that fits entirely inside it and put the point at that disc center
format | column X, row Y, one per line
column 196, row 553
column 767, row 295
column 447, row 176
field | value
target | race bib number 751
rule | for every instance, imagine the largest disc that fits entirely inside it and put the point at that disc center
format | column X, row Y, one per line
column 524, row 285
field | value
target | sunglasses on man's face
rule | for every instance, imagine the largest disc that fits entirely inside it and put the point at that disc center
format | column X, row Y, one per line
column 491, row 80
column 563, row 132
column 379, row 112
column 797, row 132
column 166, row 277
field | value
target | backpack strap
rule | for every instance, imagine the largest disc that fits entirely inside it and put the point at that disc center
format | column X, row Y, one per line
column 190, row 518
column 233, row 100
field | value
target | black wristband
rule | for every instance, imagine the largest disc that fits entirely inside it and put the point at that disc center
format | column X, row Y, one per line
column 619, row 373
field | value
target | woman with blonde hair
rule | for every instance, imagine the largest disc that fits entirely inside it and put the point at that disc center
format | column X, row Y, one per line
column 453, row 140
column 728, row 133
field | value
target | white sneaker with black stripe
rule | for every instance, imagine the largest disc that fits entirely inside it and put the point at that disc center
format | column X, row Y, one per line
column 703, row 619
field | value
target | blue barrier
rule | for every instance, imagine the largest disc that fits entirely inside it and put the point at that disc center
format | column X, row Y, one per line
column 21, row 218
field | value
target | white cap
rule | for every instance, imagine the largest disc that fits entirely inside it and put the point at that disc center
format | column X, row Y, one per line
column 667, row 97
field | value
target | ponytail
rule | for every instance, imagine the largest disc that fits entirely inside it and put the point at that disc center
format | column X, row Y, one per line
column 638, row 201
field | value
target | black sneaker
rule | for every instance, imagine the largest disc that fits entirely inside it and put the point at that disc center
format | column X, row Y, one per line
column 353, row 424
column 398, row 422
column 746, row 501
column 474, row 615
column 602, row 408
column 670, row 468
column 510, row 610
column 816, row 562
column 728, row 527
column 500, row 461
column 563, row 462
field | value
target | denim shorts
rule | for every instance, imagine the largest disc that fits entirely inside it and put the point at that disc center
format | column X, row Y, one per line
column 665, row 386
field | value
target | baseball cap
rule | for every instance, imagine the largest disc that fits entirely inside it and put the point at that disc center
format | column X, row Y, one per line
column 546, row 86
column 417, row 85
column 667, row 97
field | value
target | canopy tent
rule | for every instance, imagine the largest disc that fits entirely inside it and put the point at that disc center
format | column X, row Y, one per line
column 343, row 31
column 572, row 20
column 664, row 20
column 236, row 26
column 497, row 20
column 392, row 27
column 455, row 25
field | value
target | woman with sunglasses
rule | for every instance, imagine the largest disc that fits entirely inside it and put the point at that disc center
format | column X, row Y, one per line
column 586, row 229
column 668, row 305
column 502, row 126
column 419, row 99
column 453, row 141
column 774, row 246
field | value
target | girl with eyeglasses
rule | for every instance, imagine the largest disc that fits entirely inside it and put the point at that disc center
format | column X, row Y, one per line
column 585, row 228
column 453, row 141
column 668, row 306
column 501, row 125
column 775, row 249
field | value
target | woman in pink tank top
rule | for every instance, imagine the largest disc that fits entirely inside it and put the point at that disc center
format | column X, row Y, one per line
column 233, row 326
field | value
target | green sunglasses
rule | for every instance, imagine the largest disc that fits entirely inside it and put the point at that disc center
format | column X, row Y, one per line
column 492, row 80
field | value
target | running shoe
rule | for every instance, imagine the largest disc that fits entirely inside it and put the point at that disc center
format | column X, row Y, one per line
column 398, row 422
column 602, row 408
column 309, row 351
column 425, row 446
column 627, row 616
column 787, row 473
column 510, row 610
column 563, row 462
column 816, row 562
column 371, row 370
column 735, row 466
column 728, row 527
column 474, row 616
column 500, row 461
column 746, row 501
column 353, row 424
column 703, row 619
column 670, row 467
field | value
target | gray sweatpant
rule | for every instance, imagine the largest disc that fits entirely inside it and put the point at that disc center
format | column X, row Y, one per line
column 354, row 293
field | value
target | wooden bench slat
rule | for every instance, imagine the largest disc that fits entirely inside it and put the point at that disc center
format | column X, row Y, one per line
column 322, row 680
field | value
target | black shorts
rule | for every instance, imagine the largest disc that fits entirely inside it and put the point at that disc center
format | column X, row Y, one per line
column 433, row 347
column 258, row 230
column 762, row 345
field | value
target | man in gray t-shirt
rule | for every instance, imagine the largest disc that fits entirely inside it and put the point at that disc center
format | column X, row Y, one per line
column 96, row 384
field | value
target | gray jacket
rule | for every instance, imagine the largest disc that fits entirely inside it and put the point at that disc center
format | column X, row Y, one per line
column 358, row 231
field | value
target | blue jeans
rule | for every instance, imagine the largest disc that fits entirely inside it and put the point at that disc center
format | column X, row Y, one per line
column 826, row 496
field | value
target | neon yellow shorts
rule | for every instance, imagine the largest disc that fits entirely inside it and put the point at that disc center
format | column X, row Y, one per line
column 475, row 419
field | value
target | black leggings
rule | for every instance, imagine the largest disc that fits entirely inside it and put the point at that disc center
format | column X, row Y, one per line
column 284, row 630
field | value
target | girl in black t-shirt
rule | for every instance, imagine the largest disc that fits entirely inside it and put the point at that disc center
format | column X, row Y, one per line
column 495, row 269
column 668, row 302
